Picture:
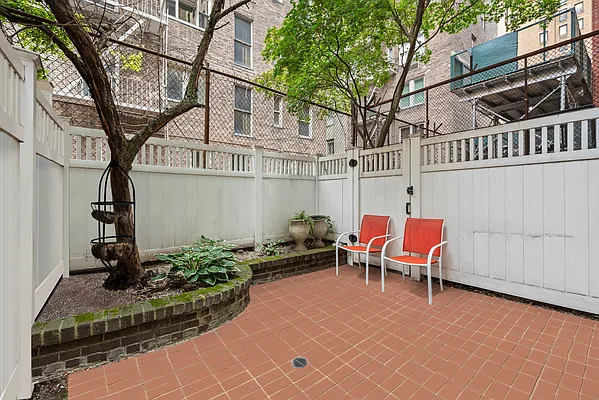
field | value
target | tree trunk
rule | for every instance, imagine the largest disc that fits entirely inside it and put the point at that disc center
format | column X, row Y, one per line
column 128, row 269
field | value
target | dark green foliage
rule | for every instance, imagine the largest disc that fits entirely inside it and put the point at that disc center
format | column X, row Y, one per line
column 271, row 248
column 208, row 261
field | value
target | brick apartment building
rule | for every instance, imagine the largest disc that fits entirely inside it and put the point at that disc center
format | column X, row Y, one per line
column 240, row 114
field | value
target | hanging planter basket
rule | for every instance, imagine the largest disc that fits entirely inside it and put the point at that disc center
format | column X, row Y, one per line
column 110, row 248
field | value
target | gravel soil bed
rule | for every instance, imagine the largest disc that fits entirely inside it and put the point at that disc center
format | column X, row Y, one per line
column 83, row 293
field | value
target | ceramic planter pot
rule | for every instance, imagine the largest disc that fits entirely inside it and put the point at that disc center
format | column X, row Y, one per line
column 320, row 230
column 299, row 231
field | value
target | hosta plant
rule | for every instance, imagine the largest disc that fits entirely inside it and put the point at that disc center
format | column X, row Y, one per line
column 207, row 261
column 271, row 248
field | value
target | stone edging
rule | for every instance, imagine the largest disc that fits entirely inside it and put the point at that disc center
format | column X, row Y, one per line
column 268, row 269
column 73, row 342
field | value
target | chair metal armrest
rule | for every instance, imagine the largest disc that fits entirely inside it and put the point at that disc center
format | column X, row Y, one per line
column 373, row 239
column 344, row 233
column 387, row 243
column 432, row 250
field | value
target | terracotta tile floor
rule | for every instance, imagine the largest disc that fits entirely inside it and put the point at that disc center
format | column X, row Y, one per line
column 364, row 344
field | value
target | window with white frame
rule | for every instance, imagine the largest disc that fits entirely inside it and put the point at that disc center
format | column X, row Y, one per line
column 563, row 17
column 580, row 23
column 404, row 49
column 543, row 37
column 390, row 56
column 112, row 70
column 304, row 122
column 243, row 42
column 278, row 111
column 330, row 147
column 331, row 119
column 415, row 99
column 579, row 7
column 176, row 81
column 243, row 111
column 563, row 30
column 192, row 12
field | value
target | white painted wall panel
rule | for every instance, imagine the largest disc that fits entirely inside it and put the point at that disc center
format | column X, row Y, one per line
column 335, row 200
column 173, row 210
column 576, row 193
column 533, row 225
column 466, row 221
column 592, row 168
column 48, row 219
column 281, row 199
column 451, row 251
column 9, row 257
column 554, row 256
column 514, row 224
column 527, row 230
column 481, row 221
column 497, row 216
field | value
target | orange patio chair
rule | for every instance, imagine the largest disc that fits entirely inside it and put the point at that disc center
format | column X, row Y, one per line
column 374, row 229
column 421, row 236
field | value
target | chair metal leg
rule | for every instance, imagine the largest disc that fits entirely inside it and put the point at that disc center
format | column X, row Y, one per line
column 430, row 284
column 336, row 260
column 367, row 268
column 383, row 273
column 440, row 275
column 403, row 272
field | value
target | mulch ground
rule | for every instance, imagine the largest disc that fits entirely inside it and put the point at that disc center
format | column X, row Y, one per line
column 84, row 293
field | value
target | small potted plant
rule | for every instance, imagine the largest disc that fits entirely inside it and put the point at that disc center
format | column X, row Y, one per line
column 299, row 228
column 322, row 225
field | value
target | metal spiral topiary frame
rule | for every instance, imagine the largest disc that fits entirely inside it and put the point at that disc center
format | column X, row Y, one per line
column 112, row 247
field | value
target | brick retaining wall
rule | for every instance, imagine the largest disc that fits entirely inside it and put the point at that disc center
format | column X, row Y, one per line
column 273, row 268
column 73, row 342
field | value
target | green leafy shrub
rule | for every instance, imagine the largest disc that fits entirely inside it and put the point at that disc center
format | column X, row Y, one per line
column 303, row 216
column 208, row 261
column 271, row 248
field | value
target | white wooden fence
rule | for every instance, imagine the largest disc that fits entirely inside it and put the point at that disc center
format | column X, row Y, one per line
column 525, row 225
column 32, row 230
column 518, row 221
column 185, row 190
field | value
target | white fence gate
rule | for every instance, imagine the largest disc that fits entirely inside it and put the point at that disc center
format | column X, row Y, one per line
column 524, row 225
column 32, row 229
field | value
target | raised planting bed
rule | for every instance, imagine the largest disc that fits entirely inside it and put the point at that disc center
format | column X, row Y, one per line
column 69, row 343
column 268, row 269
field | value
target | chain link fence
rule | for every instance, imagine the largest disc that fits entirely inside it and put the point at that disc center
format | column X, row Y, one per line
column 234, row 112
column 544, row 69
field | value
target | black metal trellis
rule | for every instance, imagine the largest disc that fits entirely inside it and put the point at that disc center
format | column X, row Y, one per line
column 112, row 247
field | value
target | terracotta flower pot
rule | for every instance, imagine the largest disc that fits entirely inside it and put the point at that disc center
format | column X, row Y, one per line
column 320, row 230
column 299, row 231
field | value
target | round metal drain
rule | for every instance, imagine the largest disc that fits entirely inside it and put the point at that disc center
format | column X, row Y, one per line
column 299, row 362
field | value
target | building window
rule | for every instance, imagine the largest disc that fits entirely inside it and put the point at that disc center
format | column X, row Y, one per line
column 403, row 52
column 278, row 111
column 563, row 17
column 415, row 99
column 562, row 2
column 563, row 30
column 579, row 7
column 176, row 81
column 543, row 37
column 390, row 56
column 192, row 12
column 484, row 23
column 331, row 118
column 243, row 111
column 243, row 42
column 580, row 23
column 330, row 147
column 304, row 122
